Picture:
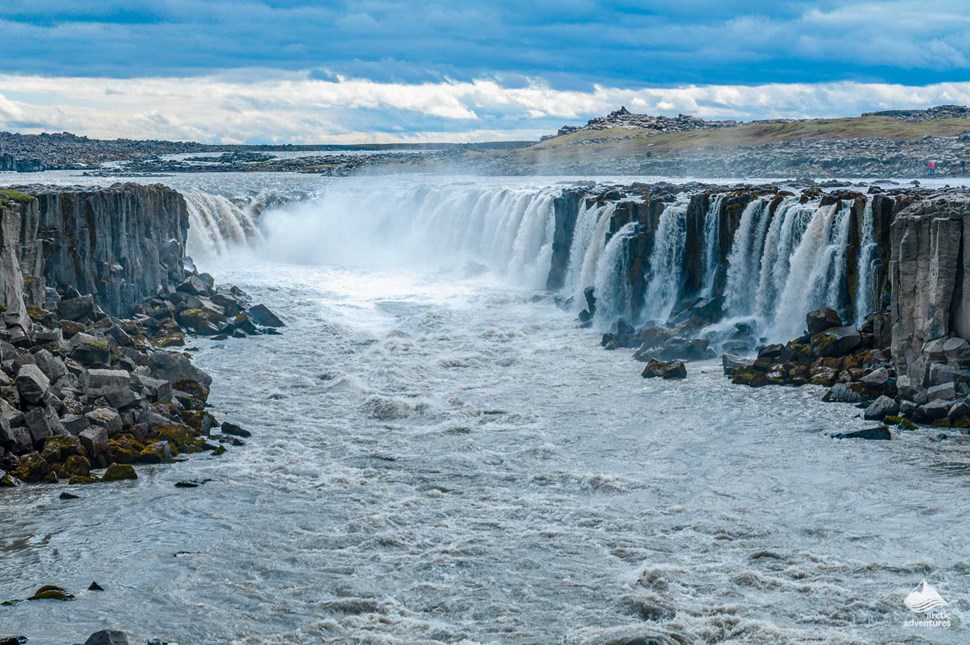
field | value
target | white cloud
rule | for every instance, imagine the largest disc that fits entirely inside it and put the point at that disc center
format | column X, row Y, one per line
column 263, row 106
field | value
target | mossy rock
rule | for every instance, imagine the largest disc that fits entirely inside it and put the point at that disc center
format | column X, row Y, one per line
column 15, row 195
column 73, row 466
column 750, row 377
column 219, row 451
column 32, row 468
column 171, row 340
column 157, row 453
column 199, row 420
column 51, row 592
column 83, row 479
column 194, row 389
column 95, row 343
column 8, row 481
column 182, row 438
column 69, row 328
column 119, row 472
column 124, row 449
column 902, row 422
column 60, row 448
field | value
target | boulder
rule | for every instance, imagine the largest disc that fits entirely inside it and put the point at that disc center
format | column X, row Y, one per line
column 102, row 382
column 156, row 453
column 933, row 411
column 118, row 472
column 957, row 352
column 31, row 468
column 732, row 363
column 821, row 320
column 94, row 440
column 89, row 350
column 944, row 391
column 76, row 309
column 193, row 285
column 74, row 424
column 881, row 408
column 52, row 366
column 107, row 418
column 154, row 389
column 263, row 317
column 665, row 369
column 42, row 423
column 177, row 368
column 235, row 430
column 836, row 342
column 32, row 385
column 880, row 433
column 107, row 637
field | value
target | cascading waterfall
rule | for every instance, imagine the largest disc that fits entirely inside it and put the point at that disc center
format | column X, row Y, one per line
column 783, row 261
column 712, row 233
column 817, row 270
column 216, row 223
column 666, row 263
column 869, row 263
column 784, row 235
column 594, row 248
column 611, row 283
column 744, row 262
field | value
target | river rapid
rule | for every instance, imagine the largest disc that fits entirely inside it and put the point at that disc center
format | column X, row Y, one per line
column 440, row 454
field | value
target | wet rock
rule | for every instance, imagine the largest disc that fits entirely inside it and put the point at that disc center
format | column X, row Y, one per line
column 821, row 320
column 263, row 317
column 119, row 472
column 933, row 411
column 665, row 369
column 76, row 309
column 191, row 483
column 31, row 468
column 844, row 393
column 881, row 408
column 235, row 430
column 732, row 363
column 94, row 586
column 193, row 285
column 74, row 466
column 103, row 382
column 880, row 433
column 107, row 637
column 32, row 385
column 68, row 496
column 60, row 448
column 156, row 453
column 51, row 592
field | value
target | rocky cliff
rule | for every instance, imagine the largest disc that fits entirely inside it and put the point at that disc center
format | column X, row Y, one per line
column 120, row 244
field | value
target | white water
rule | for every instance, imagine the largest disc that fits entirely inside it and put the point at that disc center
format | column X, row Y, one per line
column 815, row 274
column 712, row 232
column 784, row 235
column 744, row 262
column 666, row 263
column 869, row 261
column 611, row 279
column 440, row 459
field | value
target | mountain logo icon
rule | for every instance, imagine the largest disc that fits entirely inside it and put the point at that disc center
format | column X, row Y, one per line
column 924, row 598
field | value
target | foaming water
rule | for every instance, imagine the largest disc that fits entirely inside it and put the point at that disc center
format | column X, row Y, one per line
column 439, row 460
column 441, row 455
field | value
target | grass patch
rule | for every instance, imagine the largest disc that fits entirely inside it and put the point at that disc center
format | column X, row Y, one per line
column 15, row 195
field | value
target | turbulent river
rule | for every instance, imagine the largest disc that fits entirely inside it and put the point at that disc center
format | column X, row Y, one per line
column 441, row 455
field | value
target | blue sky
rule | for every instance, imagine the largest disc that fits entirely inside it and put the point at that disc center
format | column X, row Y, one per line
column 388, row 70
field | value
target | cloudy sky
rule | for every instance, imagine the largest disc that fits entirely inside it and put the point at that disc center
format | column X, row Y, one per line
column 305, row 71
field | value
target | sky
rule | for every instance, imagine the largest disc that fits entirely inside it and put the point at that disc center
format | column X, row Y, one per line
column 302, row 71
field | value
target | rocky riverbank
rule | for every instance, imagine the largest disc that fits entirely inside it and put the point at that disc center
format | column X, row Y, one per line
column 97, row 292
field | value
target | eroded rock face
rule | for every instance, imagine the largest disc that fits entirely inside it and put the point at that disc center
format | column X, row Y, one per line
column 930, row 286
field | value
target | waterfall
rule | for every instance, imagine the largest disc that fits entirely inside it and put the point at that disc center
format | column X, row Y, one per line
column 744, row 262
column 816, row 277
column 712, row 233
column 869, row 262
column 594, row 248
column 509, row 230
column 217, row 223
column 611, row 283
column 666, row 262
column 784, row 234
